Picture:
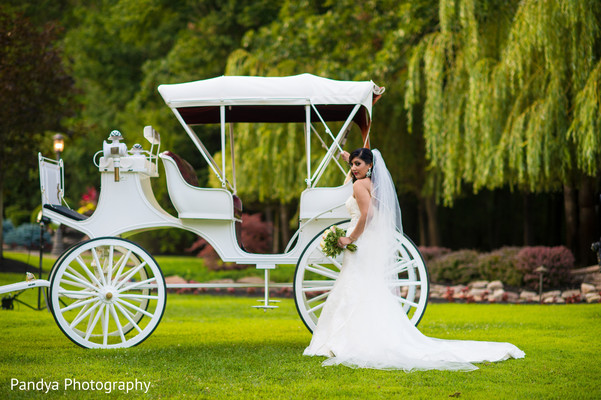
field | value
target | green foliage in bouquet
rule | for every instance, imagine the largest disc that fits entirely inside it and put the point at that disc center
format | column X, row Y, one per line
column 329, row 243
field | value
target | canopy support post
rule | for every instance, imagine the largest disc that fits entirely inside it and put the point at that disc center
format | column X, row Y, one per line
column 231, row 129
column 308, row 141
column 326, row 160
column 203, row 150
column 222, row 124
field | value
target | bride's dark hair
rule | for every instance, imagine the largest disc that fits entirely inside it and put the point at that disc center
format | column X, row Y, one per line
column 364, row 154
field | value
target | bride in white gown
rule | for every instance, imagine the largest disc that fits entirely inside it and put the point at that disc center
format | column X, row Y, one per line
column 362, row 325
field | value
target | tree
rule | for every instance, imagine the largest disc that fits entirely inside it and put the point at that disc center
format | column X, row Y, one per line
column 508, row 97
column 36, row 90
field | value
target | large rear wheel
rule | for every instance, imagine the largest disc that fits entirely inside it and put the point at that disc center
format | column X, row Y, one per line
column 316, row 274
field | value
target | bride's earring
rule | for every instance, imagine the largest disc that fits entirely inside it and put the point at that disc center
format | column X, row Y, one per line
column 368, row 174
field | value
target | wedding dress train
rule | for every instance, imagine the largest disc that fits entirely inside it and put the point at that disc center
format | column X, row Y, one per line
column 363, row 325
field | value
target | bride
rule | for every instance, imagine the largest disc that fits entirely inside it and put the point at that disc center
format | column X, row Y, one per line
column 362, row 325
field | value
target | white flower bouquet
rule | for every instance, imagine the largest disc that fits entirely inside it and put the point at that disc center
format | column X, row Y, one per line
column 329, row 242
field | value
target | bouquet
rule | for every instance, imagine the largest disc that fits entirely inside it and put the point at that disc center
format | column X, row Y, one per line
column 329, row 243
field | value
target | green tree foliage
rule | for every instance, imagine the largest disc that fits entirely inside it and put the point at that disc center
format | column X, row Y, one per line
column 36, row 91
column 509, row 92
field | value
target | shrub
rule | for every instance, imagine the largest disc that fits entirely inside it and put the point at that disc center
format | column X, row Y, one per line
column 455, row 267
column 501, row 265
column 7, row 226
column 28, row 236
column 432, row 253
column 558, row 261
column 255, row 237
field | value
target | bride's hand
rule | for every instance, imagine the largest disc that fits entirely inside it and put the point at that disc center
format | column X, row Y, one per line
column 345, row 156
column 344, row 241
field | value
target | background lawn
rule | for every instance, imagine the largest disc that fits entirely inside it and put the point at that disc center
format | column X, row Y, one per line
column 219, row 347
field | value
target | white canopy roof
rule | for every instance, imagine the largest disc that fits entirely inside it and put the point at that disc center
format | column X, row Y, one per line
column 255, row 90
column 262, row 99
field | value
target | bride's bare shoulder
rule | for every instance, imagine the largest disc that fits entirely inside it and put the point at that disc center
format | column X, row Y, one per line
column 362, row 185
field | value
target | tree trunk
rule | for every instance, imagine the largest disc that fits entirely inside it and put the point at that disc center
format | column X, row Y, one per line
column 570, row 205
column 285, row 224
column 588, row 221
column 421, row 220
column 432, row 212
column 527, row 219
column 276, row 233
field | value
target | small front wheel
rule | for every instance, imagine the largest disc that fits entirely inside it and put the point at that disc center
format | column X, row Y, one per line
column 107, row 293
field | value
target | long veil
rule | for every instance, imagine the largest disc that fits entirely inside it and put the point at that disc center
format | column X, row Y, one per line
column 385, row 210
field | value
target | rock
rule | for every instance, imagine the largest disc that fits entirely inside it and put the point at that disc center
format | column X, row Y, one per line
column 511, row 297
column 222, row 281
column 587, row 288
column 527, row 295
column 476, row 292
column 549, row 300
column 592, row 297
column 497, row 295
column 404, row 291
column 175, row 279
column 552, row 293
column 478, row 298
column 478, row 284
column 494, row 285
column 570, row 293
column 560, row 300
column 251, row 279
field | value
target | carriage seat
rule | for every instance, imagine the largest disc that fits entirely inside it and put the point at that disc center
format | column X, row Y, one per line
column 192, row 201
column 66, row 211
column 52, row 188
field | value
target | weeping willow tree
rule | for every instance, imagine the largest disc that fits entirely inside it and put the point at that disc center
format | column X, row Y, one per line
column 510, row 97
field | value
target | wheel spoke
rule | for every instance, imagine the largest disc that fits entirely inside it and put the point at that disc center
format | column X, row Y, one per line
column 323, row 271
column 134, row 285
column 78, row 303
column 87, row 270
column 317, row 307
column 93, row 323
column 130, row 274
column 318, row 288
column 99, row 266
column 127, row 315
column 76, row 321
column 405, row 301
column 139, row 296
column 76, row 284
column 68, row 293
column 105, row 326
column 404, row 282
column 117, row 322
column 122, row 262
column 76, row 273
column 402, row 266
column 109, row 271
column 85, row 283
column 138, row 309
column 317, row 298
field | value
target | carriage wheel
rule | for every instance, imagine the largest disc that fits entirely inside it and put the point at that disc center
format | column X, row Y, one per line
column 106, row 293
column 316, row 273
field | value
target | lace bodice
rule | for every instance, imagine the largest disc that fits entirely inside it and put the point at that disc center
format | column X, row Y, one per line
column 353, row 209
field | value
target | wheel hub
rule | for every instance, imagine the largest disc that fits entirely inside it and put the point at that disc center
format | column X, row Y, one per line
column 108, row 295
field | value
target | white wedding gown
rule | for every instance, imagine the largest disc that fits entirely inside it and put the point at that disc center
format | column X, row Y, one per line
column 362, row 325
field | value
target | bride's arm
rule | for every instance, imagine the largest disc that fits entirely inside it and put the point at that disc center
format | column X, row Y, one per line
column 363, row 197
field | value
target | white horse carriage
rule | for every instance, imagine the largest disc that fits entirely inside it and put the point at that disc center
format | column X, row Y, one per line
column 109, row 292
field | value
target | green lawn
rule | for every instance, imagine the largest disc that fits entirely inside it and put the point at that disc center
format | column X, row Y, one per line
column 219, row 347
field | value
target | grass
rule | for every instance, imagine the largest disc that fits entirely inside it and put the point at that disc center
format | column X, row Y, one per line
column 218, row 347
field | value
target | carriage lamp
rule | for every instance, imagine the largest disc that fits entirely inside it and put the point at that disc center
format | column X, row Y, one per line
column 59, row 145
column 540, row 271
column 115, row 149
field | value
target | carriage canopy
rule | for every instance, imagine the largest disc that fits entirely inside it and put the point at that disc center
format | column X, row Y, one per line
column 301, row 98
